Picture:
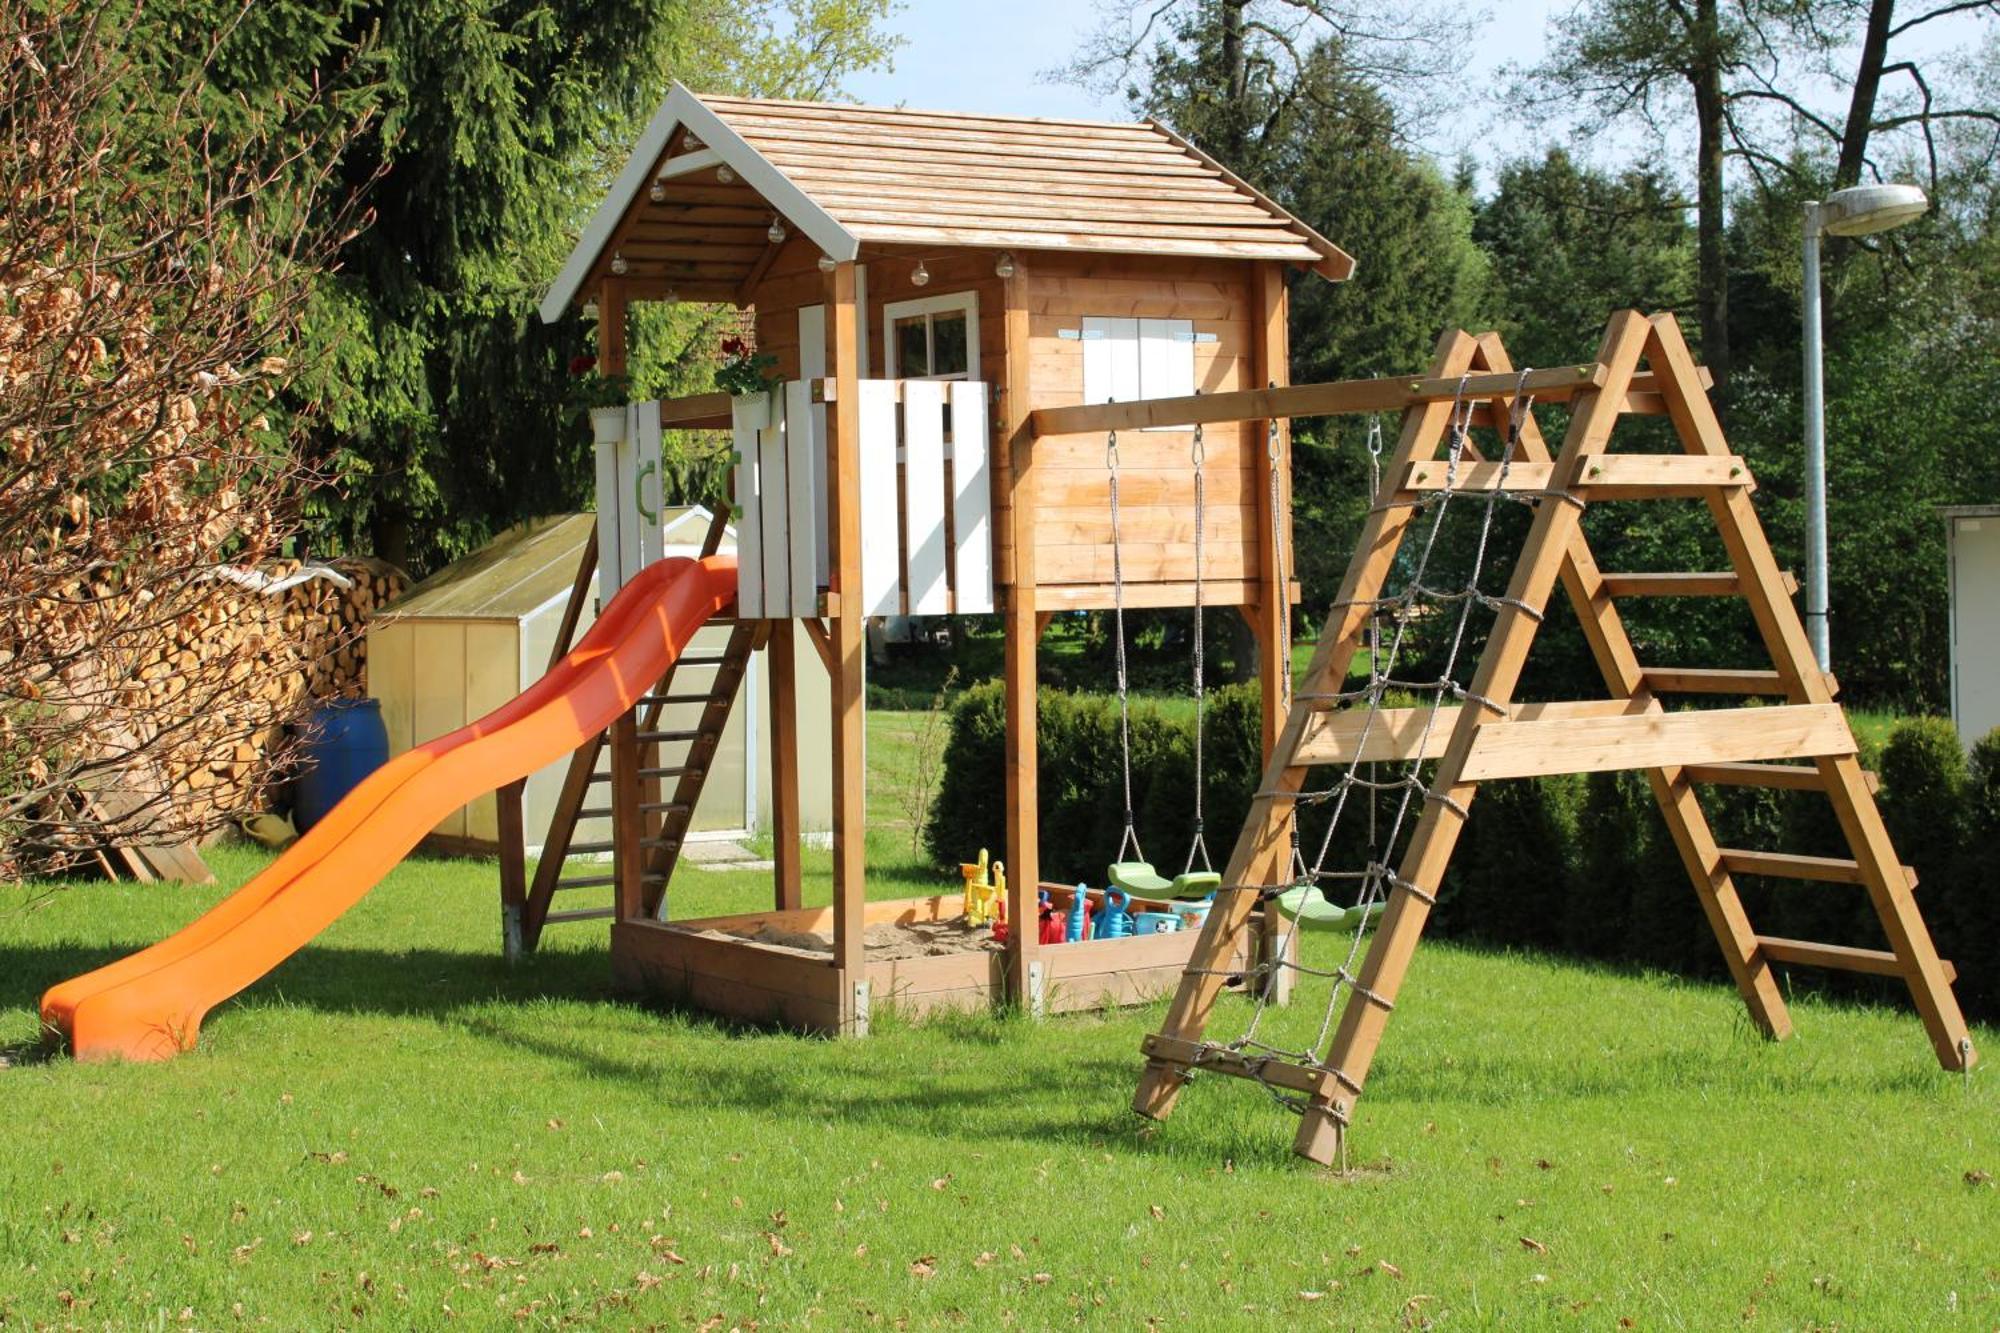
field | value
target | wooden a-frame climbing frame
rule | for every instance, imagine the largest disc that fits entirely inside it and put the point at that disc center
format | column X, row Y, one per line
column 1488, row 736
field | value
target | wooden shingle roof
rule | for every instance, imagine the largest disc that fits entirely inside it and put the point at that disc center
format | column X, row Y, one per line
column 695, row 201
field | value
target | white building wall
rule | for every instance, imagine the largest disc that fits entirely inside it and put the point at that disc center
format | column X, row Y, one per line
column 1974, row 548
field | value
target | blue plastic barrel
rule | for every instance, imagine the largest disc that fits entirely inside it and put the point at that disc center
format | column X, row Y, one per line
column 342, row 742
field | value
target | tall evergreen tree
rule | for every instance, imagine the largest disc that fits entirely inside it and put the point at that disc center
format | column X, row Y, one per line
column 440, row 396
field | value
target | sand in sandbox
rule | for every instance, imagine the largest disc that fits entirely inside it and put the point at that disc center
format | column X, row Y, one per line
column 884, row 939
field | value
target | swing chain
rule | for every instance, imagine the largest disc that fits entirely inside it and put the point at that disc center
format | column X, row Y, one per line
column 1131, row 836
column 1199, row 845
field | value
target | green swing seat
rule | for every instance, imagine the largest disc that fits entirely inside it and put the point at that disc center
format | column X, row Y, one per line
column 1140, row 880
column 1306, row 905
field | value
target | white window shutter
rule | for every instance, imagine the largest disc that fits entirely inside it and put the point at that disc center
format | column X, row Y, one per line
column 1110, row 359
column 1166, row 358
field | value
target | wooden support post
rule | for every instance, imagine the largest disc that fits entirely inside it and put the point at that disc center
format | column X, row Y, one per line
column 782, row 686
column 1022, row 635
column 849, row 648
column 1270, row 367
column 513, row 867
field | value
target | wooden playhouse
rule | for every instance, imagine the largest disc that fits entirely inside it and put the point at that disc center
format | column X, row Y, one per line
column 928, row 281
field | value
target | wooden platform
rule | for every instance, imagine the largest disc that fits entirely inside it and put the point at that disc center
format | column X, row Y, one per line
column 680, row 961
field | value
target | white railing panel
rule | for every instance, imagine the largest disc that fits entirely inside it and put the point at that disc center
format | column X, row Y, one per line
column 647, row 484
column 805, row 482
column 881, row 564
column 749, row 518
column 923, row 496
column 609, row 512
column 972, row 500
column 774, row 499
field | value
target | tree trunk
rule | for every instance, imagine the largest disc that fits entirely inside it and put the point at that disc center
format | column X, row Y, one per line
column 1861, row 107
column 389, row 530
column 1236, row 72
column 1705, row 74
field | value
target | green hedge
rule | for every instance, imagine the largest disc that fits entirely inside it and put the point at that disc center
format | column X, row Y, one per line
column 1579, row 865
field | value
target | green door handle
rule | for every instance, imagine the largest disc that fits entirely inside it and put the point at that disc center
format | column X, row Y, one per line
column 639, row 491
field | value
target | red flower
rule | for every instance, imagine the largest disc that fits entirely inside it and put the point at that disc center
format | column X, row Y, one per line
column 582, row 364
column 733, row 347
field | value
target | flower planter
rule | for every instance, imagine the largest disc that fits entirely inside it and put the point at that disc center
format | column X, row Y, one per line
column 751, row 411
column 607, row 424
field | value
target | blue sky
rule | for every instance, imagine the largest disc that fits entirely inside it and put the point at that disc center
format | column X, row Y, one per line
column 983, row 55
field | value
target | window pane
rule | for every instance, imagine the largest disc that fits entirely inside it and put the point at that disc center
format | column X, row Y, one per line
column 913, row 356
column 948, row 335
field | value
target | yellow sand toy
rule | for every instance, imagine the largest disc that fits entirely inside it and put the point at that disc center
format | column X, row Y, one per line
column 983, row 896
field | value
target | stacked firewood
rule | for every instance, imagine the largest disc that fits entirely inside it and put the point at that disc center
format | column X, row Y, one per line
column 287, row 651
column 193, row 724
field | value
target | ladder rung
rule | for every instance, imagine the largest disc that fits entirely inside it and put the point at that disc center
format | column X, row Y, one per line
column 683, row 698
column 701, row 660
column 671, row 772
column 675, row 736
column 580, row 914
column 1840, row 957
column 1791, row 865
column 1787, row 777
column 648, row 807
column 1721, row 584
column 1710, row 680
column 1706, row 583
column 598, row 848
column 598, row 882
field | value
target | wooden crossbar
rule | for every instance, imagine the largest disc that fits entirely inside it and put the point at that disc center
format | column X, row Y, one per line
column 1599, row 477
column 1839, row 957
column 1528, row 749
column 1412, row 733
column 1496, row 737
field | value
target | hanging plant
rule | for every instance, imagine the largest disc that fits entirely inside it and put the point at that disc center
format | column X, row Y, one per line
column 745, row 372
column 589, row 389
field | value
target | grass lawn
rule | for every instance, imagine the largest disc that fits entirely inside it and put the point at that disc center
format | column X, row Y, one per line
column 398, row 1128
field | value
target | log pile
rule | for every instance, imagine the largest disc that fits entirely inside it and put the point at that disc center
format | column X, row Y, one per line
column 193, row 728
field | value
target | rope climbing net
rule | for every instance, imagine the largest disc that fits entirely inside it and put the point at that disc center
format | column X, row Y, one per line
column 1404, row 790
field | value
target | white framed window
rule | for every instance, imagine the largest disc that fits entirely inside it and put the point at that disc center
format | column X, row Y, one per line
column 1126, row 359
column 932, row 337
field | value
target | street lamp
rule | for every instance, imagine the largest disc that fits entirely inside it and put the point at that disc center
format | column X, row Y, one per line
column 1859, row 210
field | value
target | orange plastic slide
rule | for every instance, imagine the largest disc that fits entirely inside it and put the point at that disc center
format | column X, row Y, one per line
column 150, row 1006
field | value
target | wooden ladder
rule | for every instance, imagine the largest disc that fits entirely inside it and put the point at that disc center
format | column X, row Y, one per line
column 662, row 824
column 1801, row 744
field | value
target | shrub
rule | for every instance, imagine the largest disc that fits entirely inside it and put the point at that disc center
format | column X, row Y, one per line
column 1581, row 864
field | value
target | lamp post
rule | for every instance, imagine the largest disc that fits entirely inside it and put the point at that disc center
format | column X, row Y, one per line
column 1859, row 210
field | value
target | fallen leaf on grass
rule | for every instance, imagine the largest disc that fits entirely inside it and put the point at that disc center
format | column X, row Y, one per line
column 1388, row 1268
column 1042, row 1279
column 1312, row 1295
column 545, row 1247
column 923, row 1266
column 646, row 1281
column 1530, row 1243
column 942, row 1182
column 302, row 1237
column 778, row 1248
column 984, row 1258
column 1159, row 1213
column 1977, row 1177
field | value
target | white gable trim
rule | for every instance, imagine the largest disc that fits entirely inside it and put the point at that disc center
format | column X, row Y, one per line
column 680, row 108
